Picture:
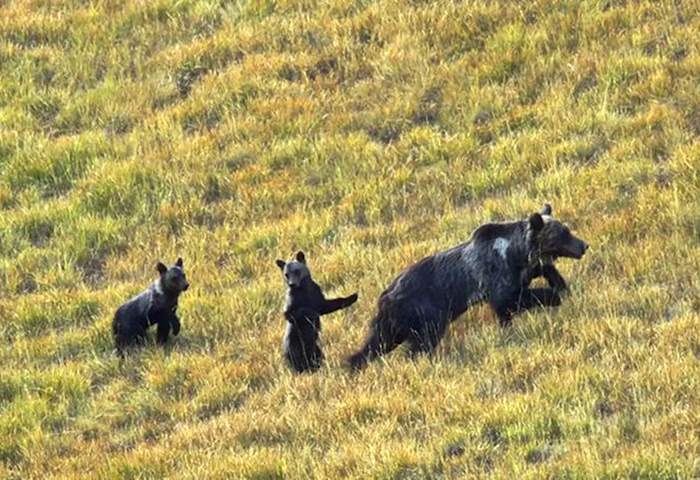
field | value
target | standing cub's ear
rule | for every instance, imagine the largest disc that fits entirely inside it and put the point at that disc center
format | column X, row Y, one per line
column 280, row 263
column 536, row 222
column 161, row 268
column 546, row 209
column 300, row 257
column 178, row 263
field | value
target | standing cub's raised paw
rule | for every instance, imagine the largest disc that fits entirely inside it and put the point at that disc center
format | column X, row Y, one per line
column 155, row 305
column 305, row 303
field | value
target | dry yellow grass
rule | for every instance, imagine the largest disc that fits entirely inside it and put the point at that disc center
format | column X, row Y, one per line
column 369, row 134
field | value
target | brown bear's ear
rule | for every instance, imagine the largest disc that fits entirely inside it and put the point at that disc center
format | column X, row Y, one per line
column 546, row 209
column 161, row 268
column 536, row 222
column 178, row 263
column 300, row 257
column 280, row 263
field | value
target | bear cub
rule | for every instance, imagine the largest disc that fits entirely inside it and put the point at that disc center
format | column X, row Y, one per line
column 155, row 305
column 304, row 305
column 496, row 265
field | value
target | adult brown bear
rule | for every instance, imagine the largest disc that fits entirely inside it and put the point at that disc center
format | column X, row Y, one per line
column 496, row 266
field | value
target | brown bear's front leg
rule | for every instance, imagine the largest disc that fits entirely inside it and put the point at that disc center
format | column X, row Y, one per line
column 537, row 297
column 504, row 314
column 504, row 304
column 526, row 299
column 554, row 278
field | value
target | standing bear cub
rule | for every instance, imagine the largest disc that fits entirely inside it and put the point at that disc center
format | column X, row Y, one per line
column 496, row 266
column 155, row 305
column 305, row 303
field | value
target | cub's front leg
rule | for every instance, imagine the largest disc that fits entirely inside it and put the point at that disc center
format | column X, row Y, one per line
column 175, row 323
column 163, row 330
column 332, row 305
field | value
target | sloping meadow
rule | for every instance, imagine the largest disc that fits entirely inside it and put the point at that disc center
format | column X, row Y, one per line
column 368, row 134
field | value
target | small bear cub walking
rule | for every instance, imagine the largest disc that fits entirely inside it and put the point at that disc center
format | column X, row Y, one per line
column 155, row 305
column 305, row 303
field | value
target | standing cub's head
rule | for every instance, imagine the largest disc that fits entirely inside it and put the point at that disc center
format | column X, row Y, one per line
column 295, row 272
column 552, row 239
column 172, row 280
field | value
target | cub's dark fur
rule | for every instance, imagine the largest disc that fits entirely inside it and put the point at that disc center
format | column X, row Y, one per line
column 304, row 306
column 496, row 266
column 155, row 305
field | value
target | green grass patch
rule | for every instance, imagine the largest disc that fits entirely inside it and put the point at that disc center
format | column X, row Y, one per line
column 368, row 134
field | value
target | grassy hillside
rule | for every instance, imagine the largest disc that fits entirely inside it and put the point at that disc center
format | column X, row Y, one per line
column 368, row 134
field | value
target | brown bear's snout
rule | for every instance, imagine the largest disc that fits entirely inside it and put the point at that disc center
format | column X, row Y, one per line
column 579, row 248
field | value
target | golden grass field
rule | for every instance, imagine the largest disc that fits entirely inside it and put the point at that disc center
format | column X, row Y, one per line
column 368, row 134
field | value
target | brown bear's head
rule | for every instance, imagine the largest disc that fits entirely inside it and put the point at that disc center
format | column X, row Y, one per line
column 552, row 239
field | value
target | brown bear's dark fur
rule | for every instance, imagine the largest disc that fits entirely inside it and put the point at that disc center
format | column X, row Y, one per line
column 496, row 266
